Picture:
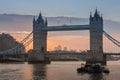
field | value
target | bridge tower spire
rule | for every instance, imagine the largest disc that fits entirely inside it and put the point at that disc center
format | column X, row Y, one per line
column 96, row 32
column 39, row 36
column 96, row 37
column 39, row 40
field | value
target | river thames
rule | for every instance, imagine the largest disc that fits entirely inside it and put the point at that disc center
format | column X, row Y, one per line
column 55, row 71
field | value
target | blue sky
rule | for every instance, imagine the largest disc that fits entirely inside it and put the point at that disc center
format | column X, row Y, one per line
column 78, row 8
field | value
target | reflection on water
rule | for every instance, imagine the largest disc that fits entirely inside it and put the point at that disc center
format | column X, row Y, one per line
column 96, row 77
column 39, row 72
column 55, row 71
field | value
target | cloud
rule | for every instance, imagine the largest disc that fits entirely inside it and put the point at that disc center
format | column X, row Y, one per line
column 19, row 26
column 16, row 32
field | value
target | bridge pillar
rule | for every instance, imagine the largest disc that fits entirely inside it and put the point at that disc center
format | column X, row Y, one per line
column 39, row 40
column 96, row 39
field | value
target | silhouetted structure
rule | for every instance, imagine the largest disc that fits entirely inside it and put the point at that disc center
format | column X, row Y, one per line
column 96, row 37
column 8, row 42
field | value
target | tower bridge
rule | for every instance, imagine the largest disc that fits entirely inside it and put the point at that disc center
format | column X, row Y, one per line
column 40, row 29
column 95, row 28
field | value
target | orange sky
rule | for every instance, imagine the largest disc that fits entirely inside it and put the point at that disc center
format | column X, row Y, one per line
column 70, row 41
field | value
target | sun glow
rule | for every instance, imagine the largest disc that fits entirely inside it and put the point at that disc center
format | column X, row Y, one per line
column 73, row 42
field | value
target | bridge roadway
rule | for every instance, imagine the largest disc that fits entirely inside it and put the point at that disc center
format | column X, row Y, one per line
column 112, row 53
column 66, row 28
column 71, row 55
column 49, row 54
column 61, row 53
column 75, row 53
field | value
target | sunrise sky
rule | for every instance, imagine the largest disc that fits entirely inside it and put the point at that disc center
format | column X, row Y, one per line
column 72, row 8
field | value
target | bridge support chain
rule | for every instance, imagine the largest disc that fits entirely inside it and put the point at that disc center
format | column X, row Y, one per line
column 37, row 57
column 93, row 58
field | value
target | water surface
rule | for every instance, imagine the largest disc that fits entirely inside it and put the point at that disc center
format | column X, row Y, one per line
column 55, row 71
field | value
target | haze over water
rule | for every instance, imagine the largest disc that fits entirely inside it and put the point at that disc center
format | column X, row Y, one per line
column 55, row 71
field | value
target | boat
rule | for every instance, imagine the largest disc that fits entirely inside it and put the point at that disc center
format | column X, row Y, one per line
column 106, row 70
column 81, row 70
column 93, row 68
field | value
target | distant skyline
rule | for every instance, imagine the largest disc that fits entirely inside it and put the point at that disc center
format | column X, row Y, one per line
column 74, row 8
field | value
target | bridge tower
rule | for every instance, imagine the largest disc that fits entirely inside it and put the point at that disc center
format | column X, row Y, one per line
column 39, row 40
column 96, row 39
column 39, row 36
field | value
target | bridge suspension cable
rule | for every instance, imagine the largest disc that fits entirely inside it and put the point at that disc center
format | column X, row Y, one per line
column 28, row 42
column 16, row 48
column 22, row 41
column 116, row 42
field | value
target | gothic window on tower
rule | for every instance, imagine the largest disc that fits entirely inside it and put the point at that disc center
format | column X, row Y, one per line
column 42, row 49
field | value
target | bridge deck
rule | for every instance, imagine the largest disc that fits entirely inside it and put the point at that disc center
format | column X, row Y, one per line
column 66, row 28
column 112, row 53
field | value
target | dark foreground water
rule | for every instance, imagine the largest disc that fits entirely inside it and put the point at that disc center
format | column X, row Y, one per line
column 55, row 71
